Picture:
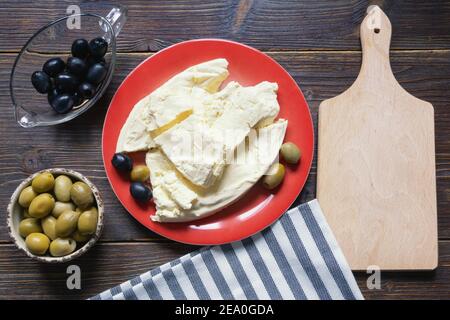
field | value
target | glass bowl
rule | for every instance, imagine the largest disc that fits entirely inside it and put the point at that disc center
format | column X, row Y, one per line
column 55, row 40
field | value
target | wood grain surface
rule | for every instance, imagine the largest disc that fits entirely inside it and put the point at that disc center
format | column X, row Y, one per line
column 268, row 25
column 109, row 264
column 318, row 44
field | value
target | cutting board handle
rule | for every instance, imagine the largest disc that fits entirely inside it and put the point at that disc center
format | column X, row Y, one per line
column 375, row 33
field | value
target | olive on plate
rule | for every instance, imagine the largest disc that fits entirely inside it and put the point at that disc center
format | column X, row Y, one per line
column 140, row 192
column 54, row 66
column 37, row 243
column 122, row 162
column 98, row 47
column 80, row 48
column 41, row 81
column 86, row 90
column 96, row 73
column 140, row 173
column 66, row 82
column 63, row 103
column 77, row 66
column 290, row 152
column 274, row 178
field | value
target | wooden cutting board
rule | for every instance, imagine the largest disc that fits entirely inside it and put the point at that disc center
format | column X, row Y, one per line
column 376, row 164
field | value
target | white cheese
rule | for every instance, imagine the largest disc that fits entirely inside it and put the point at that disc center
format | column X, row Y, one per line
column 134, row 135
column 200, row 145
column 191, row 132
column 180, row 193
column 177, row 95
column 237, row 178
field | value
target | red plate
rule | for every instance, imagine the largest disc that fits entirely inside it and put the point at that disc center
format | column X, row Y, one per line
column 258, row 208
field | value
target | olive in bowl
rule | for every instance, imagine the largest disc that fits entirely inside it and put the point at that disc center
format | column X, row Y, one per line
column 68, row 84
column 57, row 229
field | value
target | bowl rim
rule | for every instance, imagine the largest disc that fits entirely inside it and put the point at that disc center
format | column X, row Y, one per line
column 49, row 259
column 100, row 92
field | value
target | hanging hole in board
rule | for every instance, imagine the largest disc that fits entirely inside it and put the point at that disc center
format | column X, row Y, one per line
column 376, row 30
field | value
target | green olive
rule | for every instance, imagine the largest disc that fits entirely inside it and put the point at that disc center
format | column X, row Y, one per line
column 42, row 205
column 290, row 152
column 140, row 173
column 29, row 225
column 43, row 182
column 37, row 243
column 271, row 181
column 26, row 196
column 78, row 237
column 87, row 223
column 66, row 223
column 62, row 188
column 25, row 214
column 62, row 247
column 81, row 195
column 60, row 207
column 49, row 226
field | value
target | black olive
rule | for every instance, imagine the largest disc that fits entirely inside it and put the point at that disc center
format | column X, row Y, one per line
column 54, row 66
column 77, row 66
column 77, row 99
column 80, row 48
column 87, row 90
column 122, row 162
column 52, row 94
column 62, row 103
column 98, row 47
column 96, row 73
column 41, row 81
column 93, row 60
column 66, row 82
column 140, row 192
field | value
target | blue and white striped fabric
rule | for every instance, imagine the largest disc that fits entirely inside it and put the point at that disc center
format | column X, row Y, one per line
column 295, row 258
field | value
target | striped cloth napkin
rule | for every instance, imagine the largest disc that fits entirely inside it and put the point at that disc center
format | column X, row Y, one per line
column 295, row 258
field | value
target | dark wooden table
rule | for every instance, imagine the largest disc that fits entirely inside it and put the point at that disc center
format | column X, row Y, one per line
column 316, row 41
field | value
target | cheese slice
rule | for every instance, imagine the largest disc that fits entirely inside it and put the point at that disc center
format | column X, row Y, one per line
column 187, row 202
column 200, row 146
column 165, row 105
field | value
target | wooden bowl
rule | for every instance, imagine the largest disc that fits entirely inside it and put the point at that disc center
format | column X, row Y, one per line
column 15, row 215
